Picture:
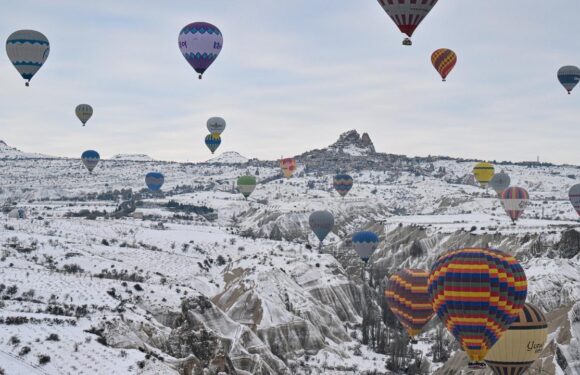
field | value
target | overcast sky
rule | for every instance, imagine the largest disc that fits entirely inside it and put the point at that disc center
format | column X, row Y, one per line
column 293, row 75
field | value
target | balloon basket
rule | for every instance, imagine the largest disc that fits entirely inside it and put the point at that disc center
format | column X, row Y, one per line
column 413, row 342
column 407, row 42
column 476, row 365
column 27, row 84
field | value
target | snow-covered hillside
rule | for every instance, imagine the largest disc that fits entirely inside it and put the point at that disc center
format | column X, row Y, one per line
column 198, row 280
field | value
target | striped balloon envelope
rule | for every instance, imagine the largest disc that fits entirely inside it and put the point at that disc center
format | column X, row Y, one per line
column 408, row 298
column 342, row 184
column 288, row 166
column 521, row 344
column 28, row 51
column 213, row 141
column 483, row 173
column 574, row 195
column 514, row 201
column 154, row 181
column 477, row 293
column 569, row 76
column 84, row 112
column 444, row 60
column 407, row 14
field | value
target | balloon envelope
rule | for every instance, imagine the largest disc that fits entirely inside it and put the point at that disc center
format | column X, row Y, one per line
column 477, row 293
column 408, row 298
column 443, row 60
column 90, row 159
column 213, row 141
column 569, row 76
column 499, row 182
column 288, row 166
column 514, row 201
column 28, row 51
column 154, row 180
column 574, row 195
column 321, row 223
column 521, row 344
column 407, row 14
column 200, row 43
column 483, row 173
column 84, row 112
column 246, row 185
column 342, row 184
column 216, row 125
column 365, row 243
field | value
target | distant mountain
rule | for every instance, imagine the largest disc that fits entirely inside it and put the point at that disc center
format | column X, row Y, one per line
column 230, row 157
column 8, row 152
column 132, row 157
column 353, row 144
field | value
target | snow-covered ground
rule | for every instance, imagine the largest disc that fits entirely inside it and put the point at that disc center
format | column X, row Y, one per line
column 243, row 285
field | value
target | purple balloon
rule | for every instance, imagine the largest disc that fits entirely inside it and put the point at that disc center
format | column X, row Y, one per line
column 200, row 43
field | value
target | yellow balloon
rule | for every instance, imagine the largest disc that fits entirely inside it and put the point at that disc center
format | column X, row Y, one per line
column 483, row 173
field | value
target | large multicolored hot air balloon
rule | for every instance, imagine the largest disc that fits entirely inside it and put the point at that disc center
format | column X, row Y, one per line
column 521, row 344
column 342, row 184
column 213, row 141
column 477, row 293
column 84, row 112
column 246, row 185
column 90, row 159
column 288, row 166
column 200, row 43
column 514, row 201
column 216, row 125
column 574, row 195
column 154, row 181
column 407, row 14
column 321, row 223
column 483, row 173
column 499, row 182
column 408, row 298
column 569, row 76
column 443, row 61
column 365, row 243
column 28, row 51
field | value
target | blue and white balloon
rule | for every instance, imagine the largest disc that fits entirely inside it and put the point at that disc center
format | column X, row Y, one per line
column 28, row 51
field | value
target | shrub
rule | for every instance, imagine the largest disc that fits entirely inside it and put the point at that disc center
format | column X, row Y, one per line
column 43, row 359
column 53, row 337
column 24, row 351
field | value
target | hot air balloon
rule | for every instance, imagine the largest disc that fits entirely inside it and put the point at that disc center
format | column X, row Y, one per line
column 569, row 76
column 365, row 243
column 477, row 293
column 84, row 112
column 574, row 195
column 216, row 125
column 499, row 182
column 321, row 223
column 213, row 141
column 90, row 159
column 514, row 201
column 407, row 14
column 483, row 173
column 288, row 166
column 444, row 60
column 342, row 184
column 521, row 344
column 408, row 298
column 154, row 181
column 27, row 50
column 200, row 43
column 246, row 185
